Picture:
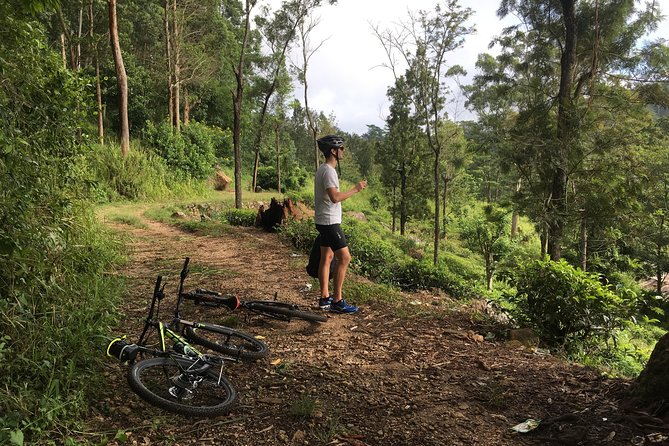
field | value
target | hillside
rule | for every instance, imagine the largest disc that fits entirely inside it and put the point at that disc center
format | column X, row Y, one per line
column 422, row 374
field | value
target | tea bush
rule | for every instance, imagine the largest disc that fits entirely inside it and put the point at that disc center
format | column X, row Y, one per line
column 376, row 257
column 300, row 233
column 567, row 306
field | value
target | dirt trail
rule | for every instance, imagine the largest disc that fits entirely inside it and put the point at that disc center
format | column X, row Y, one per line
column 373, row 378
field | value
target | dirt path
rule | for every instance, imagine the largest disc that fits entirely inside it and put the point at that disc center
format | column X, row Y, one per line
column 365, row 379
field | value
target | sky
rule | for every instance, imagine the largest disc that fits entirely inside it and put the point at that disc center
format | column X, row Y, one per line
column 345, row 75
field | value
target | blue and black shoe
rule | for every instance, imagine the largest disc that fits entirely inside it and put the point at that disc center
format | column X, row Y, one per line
column 342, row 307
column 324, row 303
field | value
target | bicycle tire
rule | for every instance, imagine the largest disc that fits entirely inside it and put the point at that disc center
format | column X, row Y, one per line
column 153, row 380
column 283, row 309
column 234, row 343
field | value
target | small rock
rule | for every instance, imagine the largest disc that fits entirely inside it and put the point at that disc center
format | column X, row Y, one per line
column 298, row 437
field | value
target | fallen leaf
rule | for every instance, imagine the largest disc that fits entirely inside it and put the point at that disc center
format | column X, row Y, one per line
column 526, row 426
column 276, row 361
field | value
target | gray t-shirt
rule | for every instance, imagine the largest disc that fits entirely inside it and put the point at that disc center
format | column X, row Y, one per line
column 327, row 212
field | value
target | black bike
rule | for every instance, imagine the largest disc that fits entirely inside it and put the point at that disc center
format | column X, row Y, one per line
column 269, row 308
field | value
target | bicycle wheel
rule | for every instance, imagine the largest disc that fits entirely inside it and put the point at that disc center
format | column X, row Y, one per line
column 227, row 341
column 169, row 384
column 282, row 310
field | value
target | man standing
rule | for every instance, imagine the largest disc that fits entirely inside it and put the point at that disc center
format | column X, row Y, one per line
column 327, row 205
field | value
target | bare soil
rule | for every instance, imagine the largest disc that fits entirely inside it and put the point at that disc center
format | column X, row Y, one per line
column 372, row 378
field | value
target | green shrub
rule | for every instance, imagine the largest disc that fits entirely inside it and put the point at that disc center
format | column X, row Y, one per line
column 192, row 152
column 376, row 257
column 565, row 305
column 302, row 196
column 56, row 296
column 291, row 179
column 241, row 217
column 139, row 176
column 300, row 233
column 414, row 275
column 372, row 255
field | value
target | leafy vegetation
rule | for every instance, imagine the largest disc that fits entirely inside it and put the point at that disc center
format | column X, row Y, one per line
column 568, row 306
column 241, row 217
column 573, row 167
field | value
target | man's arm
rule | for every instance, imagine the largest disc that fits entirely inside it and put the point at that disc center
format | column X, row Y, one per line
column 336, row 196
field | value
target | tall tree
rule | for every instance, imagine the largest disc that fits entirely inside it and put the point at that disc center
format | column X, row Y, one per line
column 237, row 98
column 402, row 160
column 587, row 41
column 423, row 43
column 279, row 33
column 306, row 28
column 121, row 78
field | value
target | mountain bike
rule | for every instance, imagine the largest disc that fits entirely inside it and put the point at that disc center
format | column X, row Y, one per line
column 269, row 308
column 182, row 379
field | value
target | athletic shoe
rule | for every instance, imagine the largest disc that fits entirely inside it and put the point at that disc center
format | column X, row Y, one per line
column 343, row 307
column 324, row 303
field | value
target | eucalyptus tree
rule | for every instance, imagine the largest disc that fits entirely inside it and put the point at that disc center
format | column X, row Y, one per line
column 308, row 49
column 423, row 44
column 365, row 147
column 193, row 32
column 121, row 78
column 238, row 69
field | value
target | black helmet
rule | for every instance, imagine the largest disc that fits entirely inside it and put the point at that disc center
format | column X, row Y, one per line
column 330, row 142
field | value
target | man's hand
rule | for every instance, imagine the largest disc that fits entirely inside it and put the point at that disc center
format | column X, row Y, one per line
column 361, row 185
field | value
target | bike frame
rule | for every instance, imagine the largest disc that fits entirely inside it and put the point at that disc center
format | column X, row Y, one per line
column 164, row 330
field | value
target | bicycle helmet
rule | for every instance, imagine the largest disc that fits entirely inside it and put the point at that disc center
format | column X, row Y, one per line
column 326, row 143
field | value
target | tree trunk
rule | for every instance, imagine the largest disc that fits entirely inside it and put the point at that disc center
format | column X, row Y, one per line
column 79, row 34
column 98, row 98
column 558, row 203
column 543, row 239
column 66, row 41
column 176, row 89
column 583, row 246
column 63, row 49
column 437, row 230
column 403, row 200
column 651, row 388
column 237, row 106
column 168, row 55
column 186, row 106
column 96, row 63
column 121, row 78
column 488, row 272
column 258, row 140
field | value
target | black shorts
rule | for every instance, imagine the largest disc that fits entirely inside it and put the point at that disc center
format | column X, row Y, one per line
column 332, row 236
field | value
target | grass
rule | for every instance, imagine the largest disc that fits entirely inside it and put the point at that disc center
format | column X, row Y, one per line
column 126, row 219
column 304, row 407
column 455, row 257
column 363, row 292
column 330, row 429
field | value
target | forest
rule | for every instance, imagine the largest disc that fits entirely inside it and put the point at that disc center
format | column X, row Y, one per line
column 552, row 205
